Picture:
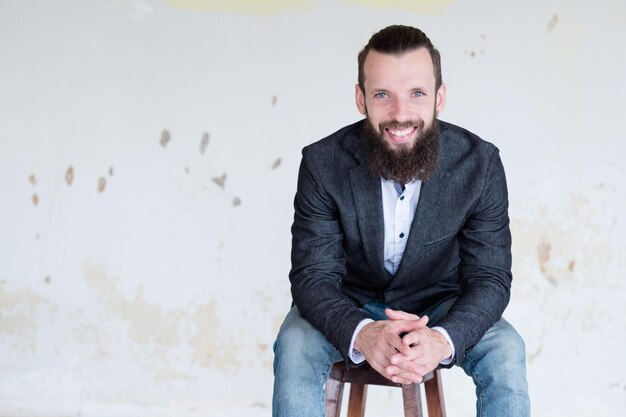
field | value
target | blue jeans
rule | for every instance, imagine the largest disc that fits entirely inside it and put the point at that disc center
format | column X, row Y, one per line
column 303, row 357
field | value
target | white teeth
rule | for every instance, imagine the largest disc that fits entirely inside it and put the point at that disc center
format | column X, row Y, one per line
column 401, row 133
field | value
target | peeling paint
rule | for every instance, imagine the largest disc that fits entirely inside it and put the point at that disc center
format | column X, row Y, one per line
column 18, row 312
column 90, row 337
column 149, row 324
column 244, row 6
column 153, row 326
column 236, row 202
column 35, row 199
column 264, row 298
column 276, row 163
column 274, row 100
column 204, row 341
column 209, row 347
column 431, row 7
column 171, row 374
column 33, row 179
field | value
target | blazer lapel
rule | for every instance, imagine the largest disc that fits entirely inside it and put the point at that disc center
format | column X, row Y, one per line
column 428, row 206
column 368, row 198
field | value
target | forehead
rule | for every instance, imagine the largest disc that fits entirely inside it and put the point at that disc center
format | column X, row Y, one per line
column 413, row 67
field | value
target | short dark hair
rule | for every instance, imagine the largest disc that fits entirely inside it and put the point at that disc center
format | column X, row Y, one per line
column 397, row 40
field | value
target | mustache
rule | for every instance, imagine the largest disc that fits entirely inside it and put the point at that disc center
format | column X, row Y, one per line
column 405, row 163
column 394, row 124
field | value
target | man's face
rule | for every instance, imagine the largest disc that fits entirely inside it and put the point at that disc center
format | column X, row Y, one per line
column 400, row 99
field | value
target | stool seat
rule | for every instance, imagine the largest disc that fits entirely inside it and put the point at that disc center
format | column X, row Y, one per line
column 362, row 376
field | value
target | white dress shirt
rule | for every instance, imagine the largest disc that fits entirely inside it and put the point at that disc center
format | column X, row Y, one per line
column 399, row 205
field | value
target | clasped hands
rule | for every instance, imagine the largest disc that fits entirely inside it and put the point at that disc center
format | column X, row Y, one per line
column 406, row 359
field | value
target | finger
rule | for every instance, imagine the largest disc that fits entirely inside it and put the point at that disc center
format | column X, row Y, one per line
column 400, row 315
column 399, row 331
column 406, row 326
column 400, row 359
column 389, row 340
column 400, row 376
column 408, row 369
column 396, row 374
column 396, row 346
column 415, row 337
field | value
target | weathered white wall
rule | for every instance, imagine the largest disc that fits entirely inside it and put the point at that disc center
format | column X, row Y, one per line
column 147, row 277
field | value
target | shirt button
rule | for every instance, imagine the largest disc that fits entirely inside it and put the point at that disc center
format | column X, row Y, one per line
column 401, row 235
column 401, row 198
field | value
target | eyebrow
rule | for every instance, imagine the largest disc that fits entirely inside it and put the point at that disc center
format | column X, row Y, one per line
column 421, row 88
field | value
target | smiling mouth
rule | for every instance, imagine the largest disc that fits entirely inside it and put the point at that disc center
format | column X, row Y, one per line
column 400, row 134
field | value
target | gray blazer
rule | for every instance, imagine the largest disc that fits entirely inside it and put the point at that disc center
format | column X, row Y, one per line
column 459, row 243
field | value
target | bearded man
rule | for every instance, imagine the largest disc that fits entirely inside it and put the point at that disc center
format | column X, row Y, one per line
column 401, row 251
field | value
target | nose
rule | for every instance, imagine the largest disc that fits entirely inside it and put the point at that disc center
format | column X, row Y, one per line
column 399, row 110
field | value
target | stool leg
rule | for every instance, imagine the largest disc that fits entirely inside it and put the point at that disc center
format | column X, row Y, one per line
column 333, row 395
column 358, row 395
column 434, row 396
column 412, row 400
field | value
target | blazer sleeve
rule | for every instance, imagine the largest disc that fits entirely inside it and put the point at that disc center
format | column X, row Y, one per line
column 318, row 261
column 485, row 264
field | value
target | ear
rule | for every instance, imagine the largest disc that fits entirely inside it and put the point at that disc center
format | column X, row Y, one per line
column 360, row 100
column 441, row 99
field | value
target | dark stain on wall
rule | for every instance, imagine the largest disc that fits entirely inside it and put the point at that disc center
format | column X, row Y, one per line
column 102, row 183
column 571, row 265
column 165, row 137
column 553, row 22
column 35, row 198
column 204, row 143
column 69, row 175
column 220, row 181
column 543, row 253
column 535, row 354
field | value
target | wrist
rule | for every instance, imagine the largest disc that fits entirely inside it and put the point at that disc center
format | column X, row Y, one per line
column 358, row 335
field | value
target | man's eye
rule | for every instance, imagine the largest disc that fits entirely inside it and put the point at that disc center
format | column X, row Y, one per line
column 380, row 95
column 417, row 94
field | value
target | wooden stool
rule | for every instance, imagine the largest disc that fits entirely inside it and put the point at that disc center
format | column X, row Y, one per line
column 364, row 375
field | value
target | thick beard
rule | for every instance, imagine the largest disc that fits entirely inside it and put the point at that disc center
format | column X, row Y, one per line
column 406, row 163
